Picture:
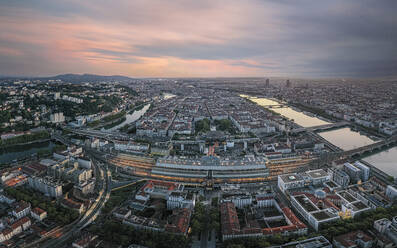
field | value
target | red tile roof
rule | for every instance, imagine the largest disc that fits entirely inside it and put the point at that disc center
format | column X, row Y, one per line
column 180, row 223
column 229, row 218
column 38, row 211
column 350, row 238
column 20, row 222
column 71, row 204
column 20, row 206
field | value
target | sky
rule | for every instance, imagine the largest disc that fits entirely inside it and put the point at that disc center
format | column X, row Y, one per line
column 199, row 38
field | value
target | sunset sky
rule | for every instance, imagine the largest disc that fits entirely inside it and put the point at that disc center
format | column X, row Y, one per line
column 199, row 38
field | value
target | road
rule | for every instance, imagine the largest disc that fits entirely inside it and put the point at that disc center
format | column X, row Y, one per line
column 100, row 134
column 91, row 214
column 205, row 233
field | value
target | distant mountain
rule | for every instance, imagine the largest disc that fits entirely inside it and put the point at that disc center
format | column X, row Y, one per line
column 73, row 78
column 79, row 78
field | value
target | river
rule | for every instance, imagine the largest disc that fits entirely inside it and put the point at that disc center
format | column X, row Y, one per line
column 131, row 117
column 346, row 138
column 9, row 154
column 299, row 118
column 385, row 161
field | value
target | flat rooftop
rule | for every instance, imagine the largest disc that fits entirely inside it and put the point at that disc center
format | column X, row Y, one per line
column 317, row 173
column 213, row 161
column 291, row 178
column 347, row 196
column 323, row 215
column 331, row 184
column 306, row 203
column 359, row 205
column 316, row 242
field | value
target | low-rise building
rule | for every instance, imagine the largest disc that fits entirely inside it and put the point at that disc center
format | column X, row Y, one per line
column 122, row 213
column 301, row 180
column 69, row 203
column 353, row 239
column 240, row 200
column 6, row 199
column 84, row 162
column 391, row 192
column 354, row 172
column 85, row 241
column 38, row 214
column 129, row 146
column 259, row 221
column 179, row 223
column 340, row 177
column 351, row 205
column 181, row 200
column 46, row 185
column 387, row 228
column 315, row 242
column 86, row 187
column 314, row 209
column 15, row 228
column 57, row 118
column 21, row 209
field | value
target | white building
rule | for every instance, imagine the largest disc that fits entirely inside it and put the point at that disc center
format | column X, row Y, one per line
column 391, row 192
column 387, row 228
column 122, row 213
column 365, row 170
column 20, row 225
column 21, row 209
column 239, row 200
column 291, row 181
column 265, row 201
column 318, row 177
column 86, row 187
column 5, row 199
column 181, row 200
column 340, row 177
column 354, row 172
column 312, row 213
column 57, row 118
column 84, row 162
column 130, row 146
column 47, row 186
column 83, row 175
column 38, row 214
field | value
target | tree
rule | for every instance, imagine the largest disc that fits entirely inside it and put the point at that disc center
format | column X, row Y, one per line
column 196, row 226
column 202, row 126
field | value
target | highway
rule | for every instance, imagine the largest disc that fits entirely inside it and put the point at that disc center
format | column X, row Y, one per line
column 100, row 134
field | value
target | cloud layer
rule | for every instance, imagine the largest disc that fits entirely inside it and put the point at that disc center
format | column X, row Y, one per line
column 189, row 38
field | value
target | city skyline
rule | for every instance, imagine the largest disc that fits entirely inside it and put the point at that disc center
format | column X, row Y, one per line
column 208, row 39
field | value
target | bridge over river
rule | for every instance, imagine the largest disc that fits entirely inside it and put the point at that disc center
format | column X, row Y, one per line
column 328, row 158
column 320, row 127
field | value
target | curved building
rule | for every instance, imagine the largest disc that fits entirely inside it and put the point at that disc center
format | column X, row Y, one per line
column 202, row 170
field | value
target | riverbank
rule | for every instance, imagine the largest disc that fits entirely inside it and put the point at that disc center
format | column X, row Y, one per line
column 299, row 117
column 384, row 159
column 115, row 123
column 25, row 139
column 137, row 107
column 26, row 143
column 24, row 152
column 131, row 118
column 320, row 112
